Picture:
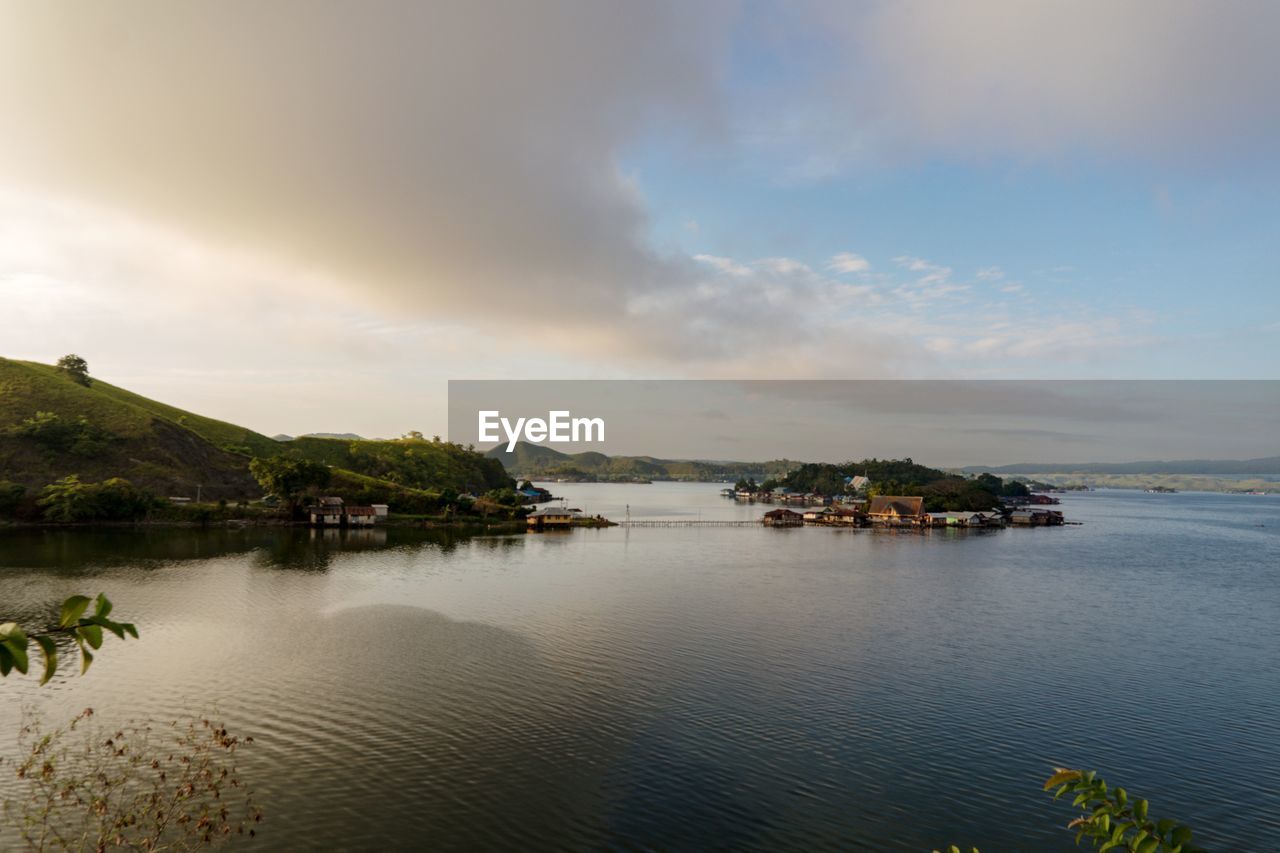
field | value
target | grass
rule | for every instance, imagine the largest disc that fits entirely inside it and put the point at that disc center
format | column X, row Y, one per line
column 170, row 451
column 27, row 387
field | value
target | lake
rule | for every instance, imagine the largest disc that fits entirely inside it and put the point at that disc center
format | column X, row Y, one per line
column 696, row 688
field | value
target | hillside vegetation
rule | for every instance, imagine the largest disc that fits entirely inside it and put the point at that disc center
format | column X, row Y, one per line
column 941, row 491
column 53, row 426
column 411, row 462
column 534, row 461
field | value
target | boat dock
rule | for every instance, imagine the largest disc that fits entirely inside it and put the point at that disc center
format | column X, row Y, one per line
column 688, row 522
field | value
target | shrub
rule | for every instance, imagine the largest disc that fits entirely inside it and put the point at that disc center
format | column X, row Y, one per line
column 11, row 495
column 70, row 500
column 54, row 432
column 140, row 786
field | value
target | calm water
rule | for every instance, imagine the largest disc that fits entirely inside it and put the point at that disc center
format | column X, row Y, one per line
column 691, row 688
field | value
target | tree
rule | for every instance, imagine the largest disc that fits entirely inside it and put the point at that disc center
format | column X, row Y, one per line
column 85, row 631
column 288, row 479
column 69, row 500
column 11, row 495
column 76, row 368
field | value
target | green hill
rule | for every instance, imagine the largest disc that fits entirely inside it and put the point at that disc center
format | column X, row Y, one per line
column 51, row 426
column 535, row 461
column 411, row 462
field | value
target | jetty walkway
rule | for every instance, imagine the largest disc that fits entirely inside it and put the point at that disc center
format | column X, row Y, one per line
column 689, row 522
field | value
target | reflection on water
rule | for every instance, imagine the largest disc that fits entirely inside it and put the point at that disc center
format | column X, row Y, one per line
column 691, row 688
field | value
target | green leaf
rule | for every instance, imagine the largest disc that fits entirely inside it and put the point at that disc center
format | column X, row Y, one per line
column 1149, row 845
column 72, row 609
column 92, row 635
column 114, row 627
column 6, row 660
column 102, row 606
column 1181, row 835
column 1140, row 809
column 86, row 658
column 1060, row 776
column 50, row 657
column 1165, row 825
column 14, row 640
column 1121, row 795
column 20, row 662
column 130, row 629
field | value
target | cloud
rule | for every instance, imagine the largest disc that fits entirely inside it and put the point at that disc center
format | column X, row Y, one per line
column 1173, row 84
column 440, row 183
column 445, row 159
column 785, row 266
column 848, row 262
column 725, row 265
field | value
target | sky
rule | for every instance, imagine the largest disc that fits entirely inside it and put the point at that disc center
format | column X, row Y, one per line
column 306, row 216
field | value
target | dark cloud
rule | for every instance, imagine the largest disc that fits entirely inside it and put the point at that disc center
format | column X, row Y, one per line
column 444, row 157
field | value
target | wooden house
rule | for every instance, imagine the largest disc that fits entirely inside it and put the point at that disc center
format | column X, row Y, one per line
column 325, row 516
column 844, row 515
column 551, row 517
column 964, row 518
column 360, row 516
column 896, row 510
column 1036, row 517
column 782, row 518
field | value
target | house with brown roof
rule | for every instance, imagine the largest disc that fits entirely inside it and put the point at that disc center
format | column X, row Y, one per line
column 552, row 517
column 360, row 516
column 896, row 510
column 782, row 518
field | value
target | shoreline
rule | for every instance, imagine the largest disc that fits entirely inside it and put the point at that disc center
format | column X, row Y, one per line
column 230, row 523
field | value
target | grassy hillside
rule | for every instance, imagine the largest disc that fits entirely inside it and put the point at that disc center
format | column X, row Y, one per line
column 102, row 431
column 24, row 384
column 410, row 462
column 52, row 426
column 538, row 462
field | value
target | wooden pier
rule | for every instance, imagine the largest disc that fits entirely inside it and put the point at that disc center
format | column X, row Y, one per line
column 689, row 522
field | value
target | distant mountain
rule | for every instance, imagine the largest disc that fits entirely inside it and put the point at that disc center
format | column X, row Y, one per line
column 1267, row 466
column 536, row 461
column 346, row 436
